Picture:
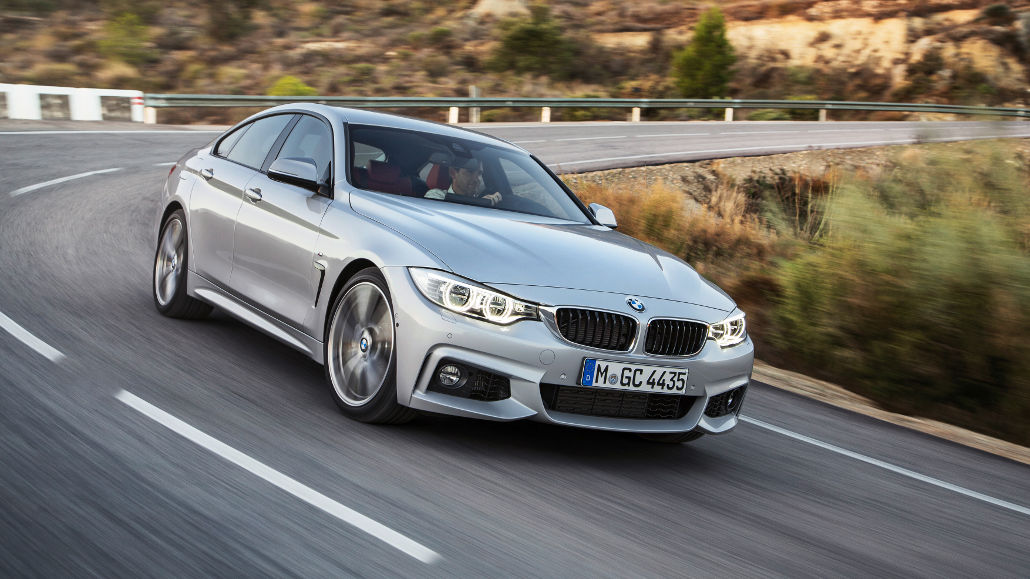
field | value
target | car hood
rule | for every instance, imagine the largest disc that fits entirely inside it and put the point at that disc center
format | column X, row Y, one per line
column 502, row 247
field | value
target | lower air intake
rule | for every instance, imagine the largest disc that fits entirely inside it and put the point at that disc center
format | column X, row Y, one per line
column 615, row 403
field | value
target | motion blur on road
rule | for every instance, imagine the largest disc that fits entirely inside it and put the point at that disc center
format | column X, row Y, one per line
column 889, row 255
column 122, row 458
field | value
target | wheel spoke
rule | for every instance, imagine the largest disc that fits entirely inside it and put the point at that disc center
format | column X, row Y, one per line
column 366, row 305
column 168, row 286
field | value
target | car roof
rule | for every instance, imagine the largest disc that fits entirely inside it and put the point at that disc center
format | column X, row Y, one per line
column 363, row 117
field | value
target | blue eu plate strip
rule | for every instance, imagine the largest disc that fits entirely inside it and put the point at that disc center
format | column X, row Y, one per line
column 588, row 371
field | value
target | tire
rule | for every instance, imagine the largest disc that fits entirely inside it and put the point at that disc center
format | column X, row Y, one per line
column 171, row 269
column 360, row 352
column 673, row 438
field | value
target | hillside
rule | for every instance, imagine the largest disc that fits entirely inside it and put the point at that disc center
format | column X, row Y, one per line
column 958, row 51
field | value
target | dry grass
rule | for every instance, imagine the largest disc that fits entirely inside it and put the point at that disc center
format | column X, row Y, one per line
column 720, row 239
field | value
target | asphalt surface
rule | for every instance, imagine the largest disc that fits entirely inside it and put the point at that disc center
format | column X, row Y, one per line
column 92, row 486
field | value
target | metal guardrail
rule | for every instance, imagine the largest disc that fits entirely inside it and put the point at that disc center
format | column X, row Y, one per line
column 197, row 100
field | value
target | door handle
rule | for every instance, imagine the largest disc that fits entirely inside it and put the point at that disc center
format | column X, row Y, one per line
column 254, row 194
column 207, row 173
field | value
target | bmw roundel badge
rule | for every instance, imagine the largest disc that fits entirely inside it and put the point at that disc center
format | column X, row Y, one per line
column 635, row 304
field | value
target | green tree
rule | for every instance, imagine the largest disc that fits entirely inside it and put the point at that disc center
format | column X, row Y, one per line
column 704, row 67
column 291, row 86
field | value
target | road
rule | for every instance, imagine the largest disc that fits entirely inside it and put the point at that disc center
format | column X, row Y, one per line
column 105, row 468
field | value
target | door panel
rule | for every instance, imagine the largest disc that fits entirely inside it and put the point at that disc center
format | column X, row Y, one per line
column 223, row 174
column 273, row 263
column 213, row 207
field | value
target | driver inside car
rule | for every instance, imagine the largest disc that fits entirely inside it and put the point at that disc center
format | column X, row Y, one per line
column 466, row 180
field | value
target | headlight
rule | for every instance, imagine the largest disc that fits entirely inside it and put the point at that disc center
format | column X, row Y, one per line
column 469, row 298
column 729, row 332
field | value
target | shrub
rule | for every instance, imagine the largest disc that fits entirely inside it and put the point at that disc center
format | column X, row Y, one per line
column 535, row 45
column 291, row 86
column 921, row 303
column 126, row 38
column 229, row 19
column 703, row 68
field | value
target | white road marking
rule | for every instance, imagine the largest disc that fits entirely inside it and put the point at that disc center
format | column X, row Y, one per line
column 757, row 132
column 29, row 340
column 168, row 164
column 888, row 466
column 673, row 135
column 798, row 147
column 527, row 142
column 30, row 188
column 142, row 132
column 728, row 150
column 592, row 138
column 301, row 491
column 845, row 130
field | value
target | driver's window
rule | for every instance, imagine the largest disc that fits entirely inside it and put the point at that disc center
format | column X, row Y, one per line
column 310, row 139
column 524, row 185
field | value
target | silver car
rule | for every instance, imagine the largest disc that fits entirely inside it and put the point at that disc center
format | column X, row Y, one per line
column 433, row 268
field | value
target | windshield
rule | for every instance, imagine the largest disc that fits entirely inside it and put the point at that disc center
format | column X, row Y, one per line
column 454, row 170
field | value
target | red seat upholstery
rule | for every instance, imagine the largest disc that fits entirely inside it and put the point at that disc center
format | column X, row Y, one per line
column 384, row 177
column 439, row 177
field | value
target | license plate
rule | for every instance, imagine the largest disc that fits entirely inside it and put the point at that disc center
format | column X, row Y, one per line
column 633, row 377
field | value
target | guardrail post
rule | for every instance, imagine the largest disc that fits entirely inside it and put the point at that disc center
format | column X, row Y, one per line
column 822, row 115
column 452, row 116
column 635, row 116
column 474, row 111
column 136, row 108
column 729, row 114
column 545, row 115
column 85, row 105
column 23, row 102
column 149, row 116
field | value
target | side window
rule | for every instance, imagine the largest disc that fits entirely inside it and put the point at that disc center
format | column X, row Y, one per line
column 310, row 139
column 253, row 146
column 524, row 185
column 227, row 143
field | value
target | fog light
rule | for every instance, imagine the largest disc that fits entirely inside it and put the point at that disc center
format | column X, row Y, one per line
column 449, row 376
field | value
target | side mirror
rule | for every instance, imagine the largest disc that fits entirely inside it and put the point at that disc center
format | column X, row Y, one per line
column 604, row 215
column 296, row 171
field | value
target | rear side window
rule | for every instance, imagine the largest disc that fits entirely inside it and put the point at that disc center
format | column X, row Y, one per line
column 310, row 139
column 252, row 148
column 227, row 143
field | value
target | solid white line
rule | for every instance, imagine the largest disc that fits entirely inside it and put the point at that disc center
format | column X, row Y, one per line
column 142, row 132
column 17, row 192
column 757, row 132
column 592, row 138
column 732, row 150
column 29, row 340
column 673, row 135
column 168, row 164
column 888, row 466
column 845, row 130
column 526, row 142
column 301, row 491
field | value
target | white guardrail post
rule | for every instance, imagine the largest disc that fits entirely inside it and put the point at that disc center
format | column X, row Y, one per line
column 31, row 102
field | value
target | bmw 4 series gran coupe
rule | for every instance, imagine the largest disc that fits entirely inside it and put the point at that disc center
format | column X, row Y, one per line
column 433, row 268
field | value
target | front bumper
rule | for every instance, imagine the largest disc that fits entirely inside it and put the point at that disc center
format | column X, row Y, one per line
column 531, row 353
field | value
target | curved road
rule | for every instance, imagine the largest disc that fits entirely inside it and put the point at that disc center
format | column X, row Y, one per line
column 131, row 444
